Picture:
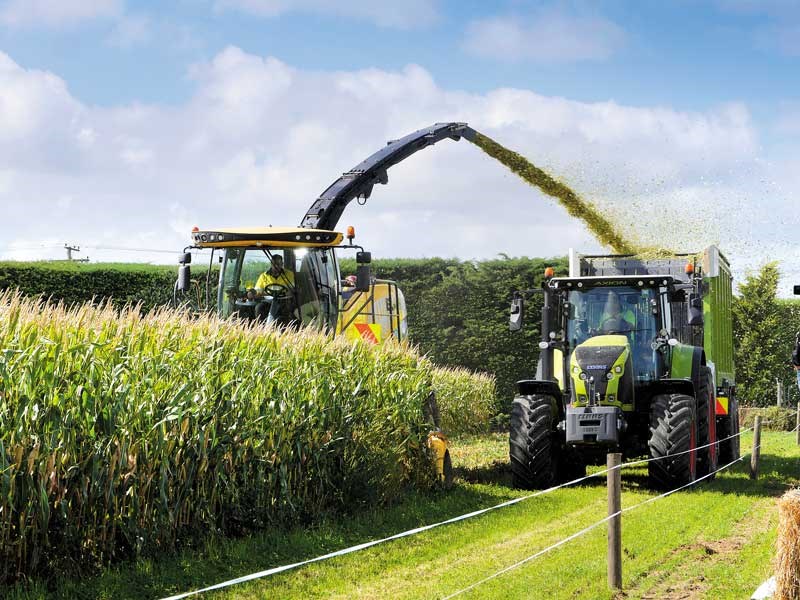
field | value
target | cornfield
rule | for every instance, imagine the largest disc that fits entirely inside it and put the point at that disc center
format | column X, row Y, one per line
column 123, row 434
column 467, row 400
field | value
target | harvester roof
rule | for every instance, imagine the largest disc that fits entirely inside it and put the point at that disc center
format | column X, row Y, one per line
column 265, row 236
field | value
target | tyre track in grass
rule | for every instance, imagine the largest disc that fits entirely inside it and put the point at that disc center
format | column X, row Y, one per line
column 690, row 579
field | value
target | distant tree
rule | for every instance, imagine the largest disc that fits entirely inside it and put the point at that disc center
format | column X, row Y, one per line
column 759, row 349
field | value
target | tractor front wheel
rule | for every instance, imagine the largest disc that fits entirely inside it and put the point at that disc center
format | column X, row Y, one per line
column 532, row 444
column 673, row 441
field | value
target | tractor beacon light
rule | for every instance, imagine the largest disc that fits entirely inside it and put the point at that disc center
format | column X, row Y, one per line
column 195, row 229
column 689, row 268
column 549, row 273
column 351, row 232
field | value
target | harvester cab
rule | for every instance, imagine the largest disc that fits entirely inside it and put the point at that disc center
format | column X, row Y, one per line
column 636, row 356
column 291, row 276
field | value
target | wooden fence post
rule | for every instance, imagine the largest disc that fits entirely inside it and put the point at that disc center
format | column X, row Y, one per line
column 614, row 483
column 797, row 424
column 756, row 454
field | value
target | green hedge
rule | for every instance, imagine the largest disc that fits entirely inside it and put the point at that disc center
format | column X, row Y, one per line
column 75, row 282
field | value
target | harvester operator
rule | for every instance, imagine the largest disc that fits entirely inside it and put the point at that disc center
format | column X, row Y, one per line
column 276, row 284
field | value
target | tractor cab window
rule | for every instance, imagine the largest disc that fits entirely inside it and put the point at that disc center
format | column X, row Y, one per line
column 280, row 285
column 619, row 311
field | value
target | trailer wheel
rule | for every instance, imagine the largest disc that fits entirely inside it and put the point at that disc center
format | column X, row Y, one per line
column 673, row 441
column 532, row 447
column 707, row 458
column 729, row 426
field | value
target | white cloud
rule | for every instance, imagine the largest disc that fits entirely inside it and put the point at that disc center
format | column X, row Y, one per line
column 548, row 37
column 56, row 13
column 409, row 14
column 259, row 140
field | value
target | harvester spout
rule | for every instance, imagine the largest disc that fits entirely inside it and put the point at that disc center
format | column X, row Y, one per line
column 358, row 182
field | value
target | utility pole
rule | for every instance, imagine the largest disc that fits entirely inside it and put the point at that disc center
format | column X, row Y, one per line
column 70, row 249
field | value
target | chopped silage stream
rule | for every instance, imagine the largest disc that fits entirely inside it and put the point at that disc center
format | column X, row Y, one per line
column 596, row 222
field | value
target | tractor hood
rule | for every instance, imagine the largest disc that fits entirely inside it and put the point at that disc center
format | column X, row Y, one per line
column 601, row 366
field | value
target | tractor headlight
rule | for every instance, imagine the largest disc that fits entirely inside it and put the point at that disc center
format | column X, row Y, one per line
column 618, row 369
column 576, row 369
column 609, row 375
column 582, row 376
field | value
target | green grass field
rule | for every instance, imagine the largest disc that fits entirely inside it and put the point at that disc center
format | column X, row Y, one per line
column 715, row 541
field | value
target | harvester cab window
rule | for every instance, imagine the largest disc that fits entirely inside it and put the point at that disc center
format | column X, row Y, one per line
column 259, row 284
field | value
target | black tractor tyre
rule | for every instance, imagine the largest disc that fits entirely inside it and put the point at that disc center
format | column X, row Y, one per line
column 533, row 448
column 673, row 436
column 729, row 426
column 707, row 458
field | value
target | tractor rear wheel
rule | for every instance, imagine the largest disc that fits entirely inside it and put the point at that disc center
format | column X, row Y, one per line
column 729, row 426
column 532, row 447
column 673, row 441
column 708, row 457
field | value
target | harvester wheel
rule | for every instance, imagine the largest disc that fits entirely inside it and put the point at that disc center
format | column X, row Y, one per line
column 728, row 426
column 707, row 458
column 673, row 441
column 531, row 442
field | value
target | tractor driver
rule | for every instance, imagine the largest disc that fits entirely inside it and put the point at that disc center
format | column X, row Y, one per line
column 276, row 282
column 614, row 319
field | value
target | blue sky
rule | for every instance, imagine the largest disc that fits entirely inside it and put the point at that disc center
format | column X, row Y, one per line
column 686, row 54
column 126, row 121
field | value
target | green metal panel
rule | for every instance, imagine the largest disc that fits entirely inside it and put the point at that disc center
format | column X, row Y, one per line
column 718, row 317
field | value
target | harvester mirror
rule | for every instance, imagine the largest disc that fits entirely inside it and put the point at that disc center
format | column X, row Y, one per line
column 797, row 290
column 185, row 259
column 184, row 276
column 363, row 277
column 363, row 258
column 517, row 313
column 695, row 310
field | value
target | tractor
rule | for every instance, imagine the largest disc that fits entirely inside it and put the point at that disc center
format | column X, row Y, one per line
column 636, row 356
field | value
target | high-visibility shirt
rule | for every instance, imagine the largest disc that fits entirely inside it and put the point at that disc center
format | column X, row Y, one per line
column 284, row 278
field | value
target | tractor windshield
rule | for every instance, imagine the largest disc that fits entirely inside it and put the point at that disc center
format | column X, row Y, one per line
column 620, row 310
column 288, row 286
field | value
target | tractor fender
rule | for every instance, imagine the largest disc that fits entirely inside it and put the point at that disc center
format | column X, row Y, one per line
column 672, row 386
column 536, row 387
column 686, row 363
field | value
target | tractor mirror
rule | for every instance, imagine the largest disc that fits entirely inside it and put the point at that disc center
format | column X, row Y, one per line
column 695, row 310
column 677, row 296
column 363, row 258
column 517, row 314
column 797, row 290
column 184, row 276
column 186, row 258
column 363, row 277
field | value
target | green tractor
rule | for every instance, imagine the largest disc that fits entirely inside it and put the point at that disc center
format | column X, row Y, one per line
column 636, row 357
